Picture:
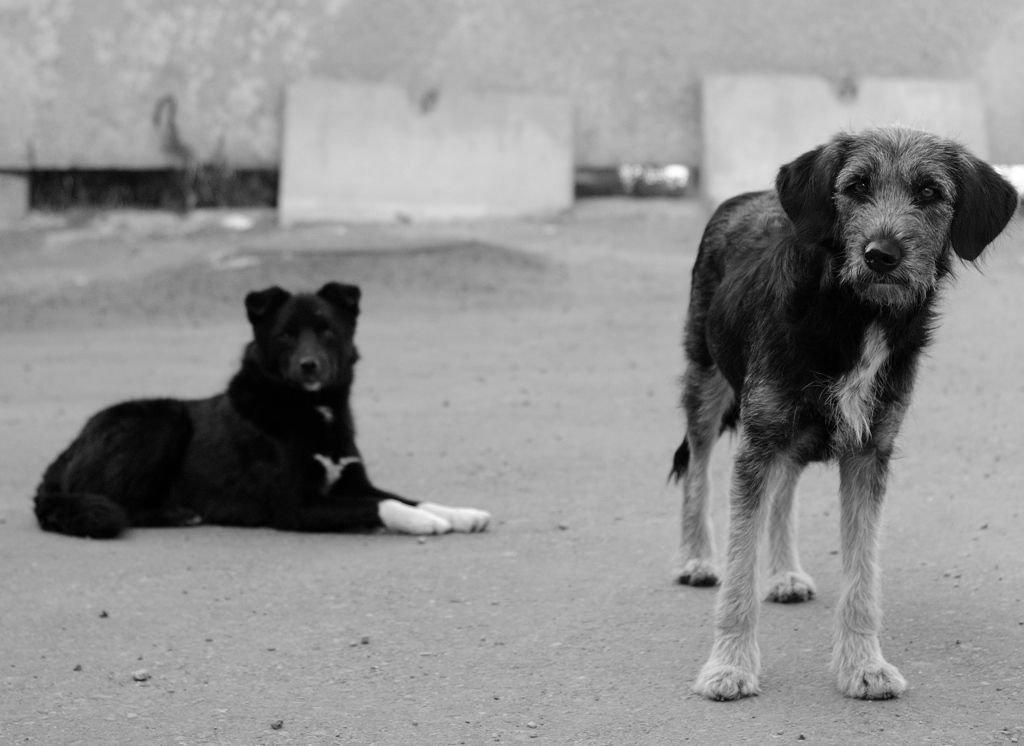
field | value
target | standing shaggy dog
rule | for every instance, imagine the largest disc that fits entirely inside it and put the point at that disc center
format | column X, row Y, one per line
column 809, row 309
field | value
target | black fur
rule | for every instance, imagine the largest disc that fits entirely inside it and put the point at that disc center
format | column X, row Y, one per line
column 247, row 457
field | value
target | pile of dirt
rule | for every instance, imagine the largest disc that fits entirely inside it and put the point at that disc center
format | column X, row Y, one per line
column 209, row 288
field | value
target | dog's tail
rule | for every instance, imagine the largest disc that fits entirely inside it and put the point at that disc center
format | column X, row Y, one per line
column 730, row 420
column 679, row 462
column 80, row 514
column 76, row 513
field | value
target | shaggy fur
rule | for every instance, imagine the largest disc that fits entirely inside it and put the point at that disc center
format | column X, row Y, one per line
column 276, row 449
column 809, row 308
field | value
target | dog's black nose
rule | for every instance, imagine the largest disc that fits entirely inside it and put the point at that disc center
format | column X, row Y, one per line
column 883, row 255
column 308, row 367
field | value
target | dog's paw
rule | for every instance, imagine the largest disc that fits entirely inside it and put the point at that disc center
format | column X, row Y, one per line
column 790, row 587
column 876, row 680
column 466, row 520
column 697, row 572
column 405, row 519
column 721, row 683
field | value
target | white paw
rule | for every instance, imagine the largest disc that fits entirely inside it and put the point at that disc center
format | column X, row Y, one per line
column 406, row 519
column 721, row 682
column 467, row 520
column 875, row 680
column 696, row 572
column 790, row 587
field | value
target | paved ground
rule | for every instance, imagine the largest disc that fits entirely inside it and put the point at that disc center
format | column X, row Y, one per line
column 526, row 368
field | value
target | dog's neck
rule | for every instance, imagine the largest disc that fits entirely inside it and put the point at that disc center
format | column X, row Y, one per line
column 828, row 321
column 279, row 408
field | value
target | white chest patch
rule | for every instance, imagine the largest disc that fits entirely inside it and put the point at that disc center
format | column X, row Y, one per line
column 334, row 467
column 853, row 395
column 327, row 413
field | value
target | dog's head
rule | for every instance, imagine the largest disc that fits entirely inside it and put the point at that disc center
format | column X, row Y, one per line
column 305, row 340
column 890, row 204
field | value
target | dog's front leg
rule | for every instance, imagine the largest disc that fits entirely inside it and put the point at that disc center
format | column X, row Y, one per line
column 732, row 670
column 857, row 655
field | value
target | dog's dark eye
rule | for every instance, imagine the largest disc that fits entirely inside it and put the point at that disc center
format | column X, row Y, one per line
column 321, row 327
column 929, row 194
column 858, row 187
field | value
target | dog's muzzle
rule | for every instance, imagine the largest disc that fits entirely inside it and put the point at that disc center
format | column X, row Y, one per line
column 309, row 374
column 882, row 255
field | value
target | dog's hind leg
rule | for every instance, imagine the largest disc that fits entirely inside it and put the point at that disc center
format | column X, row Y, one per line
column 857, row 655
column 118, row 472
column 787, row 581
column 734, row 665
column 95, row 516
column 708, row 399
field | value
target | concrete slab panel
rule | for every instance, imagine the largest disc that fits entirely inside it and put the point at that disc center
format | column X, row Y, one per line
column 356, row 152
column 753, row 124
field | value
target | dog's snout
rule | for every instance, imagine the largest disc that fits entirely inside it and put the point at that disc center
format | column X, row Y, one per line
column 309, row 366
column 882, row 255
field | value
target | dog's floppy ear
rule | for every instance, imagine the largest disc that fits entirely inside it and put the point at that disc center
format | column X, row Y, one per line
column 806, row 188
column 343, row 297
column 984, row 204
column 261, row 303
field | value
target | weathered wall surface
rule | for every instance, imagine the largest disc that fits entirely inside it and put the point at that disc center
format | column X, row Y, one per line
column 1001, row 77
column 80, row 78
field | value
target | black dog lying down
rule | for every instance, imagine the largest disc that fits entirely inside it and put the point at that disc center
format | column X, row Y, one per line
column 276, row 449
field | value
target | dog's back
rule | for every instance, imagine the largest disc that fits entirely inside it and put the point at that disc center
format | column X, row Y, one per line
column 741, row 238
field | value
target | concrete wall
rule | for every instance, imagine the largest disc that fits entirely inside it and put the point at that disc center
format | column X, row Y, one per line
column 754, row 123
column 358, row 152
column 80, row 78
column 1000, row 75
